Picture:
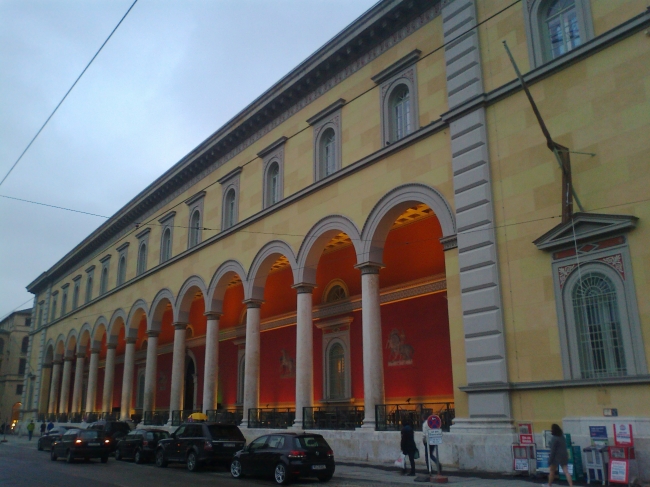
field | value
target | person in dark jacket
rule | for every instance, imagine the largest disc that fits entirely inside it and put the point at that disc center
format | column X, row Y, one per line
column 559, row 456
column 408, row 446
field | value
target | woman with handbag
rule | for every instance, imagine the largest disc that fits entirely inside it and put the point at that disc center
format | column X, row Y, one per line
column 408, row 446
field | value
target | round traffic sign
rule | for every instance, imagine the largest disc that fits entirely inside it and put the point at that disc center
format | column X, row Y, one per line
column 434, row 422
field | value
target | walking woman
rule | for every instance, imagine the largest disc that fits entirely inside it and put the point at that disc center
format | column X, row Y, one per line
column 408, row 446
column 559, row 456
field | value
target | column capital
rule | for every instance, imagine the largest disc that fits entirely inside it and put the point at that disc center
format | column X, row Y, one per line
column 212, row 315
column 81, row 355
column 94, row 350
column 131, row 339
column 47, row 366
column 57, row 362
column 253, row 303
column 304, row 287
column 369, row 267
column 111, row 346
column 179, row 325
column 69, row 358
column 152, row 333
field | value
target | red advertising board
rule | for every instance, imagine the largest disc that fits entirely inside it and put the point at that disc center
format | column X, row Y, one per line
column 526, row 433
column 619, row 472
column 623, row 435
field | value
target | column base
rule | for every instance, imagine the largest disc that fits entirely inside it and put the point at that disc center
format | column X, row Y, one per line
column 367, row 425
column 297, row 425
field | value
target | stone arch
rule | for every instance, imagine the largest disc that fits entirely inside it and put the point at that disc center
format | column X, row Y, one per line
column 84, row 338
column 59, row 348
column 71, row 343
column 259, row 270
column 393, row 204
column 186, row 296
column 99, row 329
column 118, row 319
column 138, row 309
column 316, row 239
column 219, row 283
column 154, row 319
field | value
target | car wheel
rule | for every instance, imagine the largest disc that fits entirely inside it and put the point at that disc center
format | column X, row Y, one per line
column 281, row 475
column 70, row 457
column 192, row 462
column 53, row 456
column 325, row 477
column 160, row 459
column 118, row 454
column 105, row 459
column 236, row 469
column 137, row 456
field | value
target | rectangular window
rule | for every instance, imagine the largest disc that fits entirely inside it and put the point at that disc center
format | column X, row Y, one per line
column 19, row 389
column 21, row 366
column 28, row 322
column 64, row 302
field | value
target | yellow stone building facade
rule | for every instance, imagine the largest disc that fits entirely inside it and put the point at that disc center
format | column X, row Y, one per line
column 413, row 111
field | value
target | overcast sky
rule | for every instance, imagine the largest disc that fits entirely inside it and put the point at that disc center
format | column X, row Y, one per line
column 171, row 75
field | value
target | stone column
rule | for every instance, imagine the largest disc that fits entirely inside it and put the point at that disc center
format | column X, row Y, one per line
column 54, row 388
column 46, row 386
column 91, row 393
column 65, row 384
column 304, row 351
column 78, row 383
column 252, row 358
column 127, row 379
column 211, row 369
column 109, row 378
column 373, row 361
column 149, row 400
column 178, row 368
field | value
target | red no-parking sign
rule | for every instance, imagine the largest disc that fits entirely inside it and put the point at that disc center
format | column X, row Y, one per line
column 434, row 422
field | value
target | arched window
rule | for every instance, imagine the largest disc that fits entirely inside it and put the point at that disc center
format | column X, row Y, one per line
column 327, row 152
column 54, row 303
column 24, row 345
column 241, row 368
column 336, row 372
column 89, row 288
column 121, row 271
column 103, row 283
column 561, row 26
column 195, row 228
column 273, row 184
column 166, row 247
column 336, row 293
column 75, row 296
column 598, row 327
column 142, row 258
column 400, row 113
column 230, row 210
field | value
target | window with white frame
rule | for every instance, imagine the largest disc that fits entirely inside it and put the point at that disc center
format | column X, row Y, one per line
column 75, row 292
column 230, row 198
column 121, row 270
column 90, row 274
column 143, row 251
column 55, row 296
column 398, row 96
column 327, row 140
column 103, row 282
column 556, row 27
column 336, row 359
column 166, row 239
column 195, row 224
column 273, row 170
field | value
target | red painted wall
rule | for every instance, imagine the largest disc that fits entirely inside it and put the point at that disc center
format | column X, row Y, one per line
column 233, row 306
column 166, row 328
column 199, row 354
column 228, row 353
column 197, row 319
column 164, row 378
column 279, row 297
column 337, row 265
column 274, row 388
column 117, row 385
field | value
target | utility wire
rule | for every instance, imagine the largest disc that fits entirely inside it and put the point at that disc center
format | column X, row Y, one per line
column 66, row 95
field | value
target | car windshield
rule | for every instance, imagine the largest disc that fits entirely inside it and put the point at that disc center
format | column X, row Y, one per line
column 89, row 434
column 157, row 435
column 225, row 432
column 311, row 442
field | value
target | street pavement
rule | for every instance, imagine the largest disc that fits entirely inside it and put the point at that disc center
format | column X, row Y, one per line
column 21, row 465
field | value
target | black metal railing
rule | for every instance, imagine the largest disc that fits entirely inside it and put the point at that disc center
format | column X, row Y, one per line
column 156, row 418
column 76, row 417
column 92, row 416
column 62, row 418
column 273, row 418
column 51, row 418
column 136, row 417
column 332, row 417
column 181, row 416
column 227, row 416
column 41, row 417
column 109, row 416
column 391, row 417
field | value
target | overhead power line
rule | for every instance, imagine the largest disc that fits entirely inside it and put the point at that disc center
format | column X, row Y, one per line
column 66, row 95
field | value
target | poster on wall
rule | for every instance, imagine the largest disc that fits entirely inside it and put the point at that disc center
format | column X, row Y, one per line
column 542, row 460
column 526, row 434
column 623, row 435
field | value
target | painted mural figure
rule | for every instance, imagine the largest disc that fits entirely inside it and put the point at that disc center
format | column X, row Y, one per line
column 287, row 365
column 401, row 353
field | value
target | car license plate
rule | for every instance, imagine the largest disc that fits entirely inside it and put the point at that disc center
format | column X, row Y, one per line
column 318, row 467
column 229, row 445
column 93, row 444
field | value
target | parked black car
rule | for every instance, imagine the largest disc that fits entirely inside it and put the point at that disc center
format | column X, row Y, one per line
column 113, row 431
column 199, row 444
column 285, row 456
column 55, row 434
column 78, row 443
column 140, row 444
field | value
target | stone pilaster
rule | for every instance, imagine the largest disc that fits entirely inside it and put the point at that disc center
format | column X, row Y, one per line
column 252, row 358
column 304, row 351
column 211, row 368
